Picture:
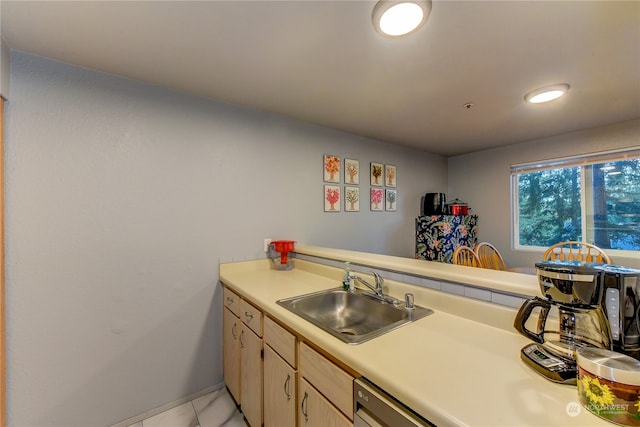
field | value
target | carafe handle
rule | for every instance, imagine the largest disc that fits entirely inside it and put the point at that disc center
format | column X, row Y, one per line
column 525, row 312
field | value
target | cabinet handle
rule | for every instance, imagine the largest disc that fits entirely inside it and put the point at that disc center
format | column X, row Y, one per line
column 241, row 341
column 234, row 331
column 230, row 300
column 303, row 406
column 248, row 315
column 287, row 387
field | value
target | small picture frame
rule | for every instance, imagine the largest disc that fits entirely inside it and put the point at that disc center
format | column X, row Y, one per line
column 390, row 175
column 332, row 198
column 351, row 172
column 377, row 174
column 377, row 199
column 331, row 168
column 351, row 199
column 391, row 200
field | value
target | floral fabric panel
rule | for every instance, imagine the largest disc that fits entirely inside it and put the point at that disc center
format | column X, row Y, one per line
column 438, row 236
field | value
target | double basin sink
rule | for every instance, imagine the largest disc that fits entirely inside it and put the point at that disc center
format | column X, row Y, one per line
column 353, row 317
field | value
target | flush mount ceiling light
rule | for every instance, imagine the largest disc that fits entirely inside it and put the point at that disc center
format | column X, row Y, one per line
column 546, row 94
column 394, row 18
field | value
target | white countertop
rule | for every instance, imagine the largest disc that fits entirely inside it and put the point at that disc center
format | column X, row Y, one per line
column 457, row 367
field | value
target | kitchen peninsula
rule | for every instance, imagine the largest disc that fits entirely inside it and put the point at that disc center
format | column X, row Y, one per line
column 457, row 367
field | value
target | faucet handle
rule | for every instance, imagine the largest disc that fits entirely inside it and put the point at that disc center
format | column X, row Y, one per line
column 379, row 280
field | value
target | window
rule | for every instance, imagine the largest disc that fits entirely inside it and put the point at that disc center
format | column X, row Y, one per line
column 593, row 198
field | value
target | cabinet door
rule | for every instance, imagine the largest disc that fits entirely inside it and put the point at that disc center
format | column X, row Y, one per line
column 279, row 391
column 251, row 376
column 316, row 411
column 231, row 352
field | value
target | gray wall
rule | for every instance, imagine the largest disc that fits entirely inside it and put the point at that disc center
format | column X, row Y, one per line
column 482, row 179
column 120, row 200
column 4, row 69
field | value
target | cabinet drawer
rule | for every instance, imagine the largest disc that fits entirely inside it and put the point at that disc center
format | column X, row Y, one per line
column 334, row 383
column 251, row 316
column 231, row 300
column 281, row 340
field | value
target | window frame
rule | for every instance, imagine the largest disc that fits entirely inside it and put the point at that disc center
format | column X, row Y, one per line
column 583, row 160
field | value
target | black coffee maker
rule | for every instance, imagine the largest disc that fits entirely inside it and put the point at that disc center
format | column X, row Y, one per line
column 621, row 304
column 570, row 317
column 433, row 204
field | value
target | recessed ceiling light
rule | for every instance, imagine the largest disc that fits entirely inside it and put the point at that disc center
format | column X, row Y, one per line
column 546, row 94
column 395, row 18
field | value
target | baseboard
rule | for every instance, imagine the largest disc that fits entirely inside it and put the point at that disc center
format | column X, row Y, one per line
column 167, row 406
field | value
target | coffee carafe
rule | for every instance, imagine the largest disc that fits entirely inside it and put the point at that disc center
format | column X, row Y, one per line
column 570, row 317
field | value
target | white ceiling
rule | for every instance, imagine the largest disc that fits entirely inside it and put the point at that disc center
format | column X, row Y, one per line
column 322, row 62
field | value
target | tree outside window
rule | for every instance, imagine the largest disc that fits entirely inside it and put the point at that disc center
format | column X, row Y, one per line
column 595, row 202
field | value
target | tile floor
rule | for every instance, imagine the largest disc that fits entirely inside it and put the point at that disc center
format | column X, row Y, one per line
column 216, row 409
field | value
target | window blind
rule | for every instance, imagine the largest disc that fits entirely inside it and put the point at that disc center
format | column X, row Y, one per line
column 583, row 160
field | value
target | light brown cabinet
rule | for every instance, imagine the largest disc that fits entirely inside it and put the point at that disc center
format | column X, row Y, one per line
column 316, row 410
column 280, row 386
column 330, row 380
column 280, row 375
column 242, row 355
column 231, row 326
column 277, row 379
column 251, row 376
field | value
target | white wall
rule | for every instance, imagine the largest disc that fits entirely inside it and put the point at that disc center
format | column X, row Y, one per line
column 482, row 179
column 120, row 200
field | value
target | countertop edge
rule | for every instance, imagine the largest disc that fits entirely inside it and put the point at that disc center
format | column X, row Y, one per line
column 509, row 282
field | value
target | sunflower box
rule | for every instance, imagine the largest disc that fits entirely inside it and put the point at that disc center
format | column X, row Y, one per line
column 609, row 385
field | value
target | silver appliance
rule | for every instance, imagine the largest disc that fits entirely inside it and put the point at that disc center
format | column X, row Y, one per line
column 375, row 408
column 573, row 290
column 620, row 300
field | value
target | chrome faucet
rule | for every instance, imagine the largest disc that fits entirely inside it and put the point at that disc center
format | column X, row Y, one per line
column 377, row 290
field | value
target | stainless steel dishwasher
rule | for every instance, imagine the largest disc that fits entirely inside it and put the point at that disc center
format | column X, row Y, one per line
column 375, row 408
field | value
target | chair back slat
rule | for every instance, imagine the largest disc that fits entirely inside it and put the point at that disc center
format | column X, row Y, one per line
column 464, row 255
column 489, row 256
column 576, row 251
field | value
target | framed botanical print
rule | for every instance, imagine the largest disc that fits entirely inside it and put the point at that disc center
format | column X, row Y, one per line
column 351, row 172
column 390, row 174
column 351, row 199
column 377, row 199
column 391, row 197
column 376, row 174
column 332, row 198
column 331, row 168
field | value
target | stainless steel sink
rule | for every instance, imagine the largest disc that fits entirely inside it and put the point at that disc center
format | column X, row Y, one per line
column 353, row 317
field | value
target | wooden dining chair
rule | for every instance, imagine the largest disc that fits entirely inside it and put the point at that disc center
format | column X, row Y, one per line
column 489, row 256
column 578, row 251
column 464, row 255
